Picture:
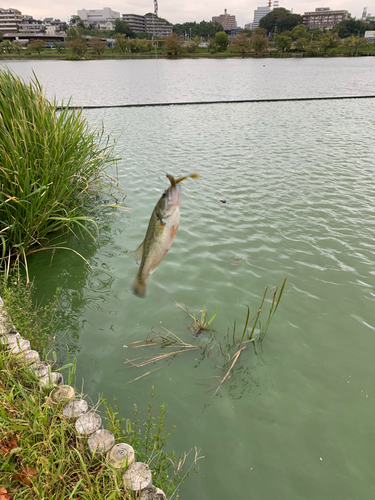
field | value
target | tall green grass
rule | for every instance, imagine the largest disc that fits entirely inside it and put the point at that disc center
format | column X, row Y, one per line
column 49, row 161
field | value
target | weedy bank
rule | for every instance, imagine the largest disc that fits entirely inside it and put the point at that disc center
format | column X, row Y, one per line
column 42, row 456
column 41, row 453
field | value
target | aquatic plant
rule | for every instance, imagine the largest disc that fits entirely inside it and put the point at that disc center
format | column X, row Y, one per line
column 50, row 160
column 227, row 348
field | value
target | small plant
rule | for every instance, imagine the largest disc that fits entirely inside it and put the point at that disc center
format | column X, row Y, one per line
column 150, row 438
column 200, row 324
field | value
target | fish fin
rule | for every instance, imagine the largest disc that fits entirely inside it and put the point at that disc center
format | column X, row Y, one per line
column 174, row 181
column 155, row 266
column 139, row 287
column 138, row 254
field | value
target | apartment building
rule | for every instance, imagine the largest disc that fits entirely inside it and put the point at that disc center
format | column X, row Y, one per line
column 9, row 20
column 136, row 22
column 157, row 27
column 228, row 21
column 30, row 25
column 148, row 24
column 324, row 17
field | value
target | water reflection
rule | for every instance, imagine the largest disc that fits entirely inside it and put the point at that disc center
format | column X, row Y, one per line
column 83, row 280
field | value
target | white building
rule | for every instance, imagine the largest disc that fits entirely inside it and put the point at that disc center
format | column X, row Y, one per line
column 370, row 36
column 260, row 12
column 98, row 16
column 9, row 20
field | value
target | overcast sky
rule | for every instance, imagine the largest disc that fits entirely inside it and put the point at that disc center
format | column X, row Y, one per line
column 176, row 11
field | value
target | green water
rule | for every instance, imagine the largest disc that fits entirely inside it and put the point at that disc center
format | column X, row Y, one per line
column 296, row 418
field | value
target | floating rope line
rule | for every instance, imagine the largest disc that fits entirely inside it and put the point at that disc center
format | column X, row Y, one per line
column 199, row 103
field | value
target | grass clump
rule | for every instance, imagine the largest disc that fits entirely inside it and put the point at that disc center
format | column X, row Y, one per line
column 49, row 161
column 149, row 438
column 36, row 322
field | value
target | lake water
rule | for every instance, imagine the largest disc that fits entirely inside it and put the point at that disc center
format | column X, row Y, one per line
column 296, row 418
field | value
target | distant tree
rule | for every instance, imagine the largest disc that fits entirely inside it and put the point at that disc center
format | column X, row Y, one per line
column 143, row 46
column 205, row 29
column 350, row 27
column 260, row 31
column 97, row 45
column 132, row 45
column 123, row 28
column 211, row 47
column 37, row 45
column 280, row 17
column 7, row 46
column 286, row 33
column 193, row 44
column 209, row 28
column 241, row 43
column 77, row 46
column 120, row 42
column 283, row 42
column 300, row 31
column 1, row 36
column 301, row 44
column 59, row 46
column 17, row 46
column 353, row 43
column 75, row 33
column 247, row 31
column 221, row 41
column 173, row 45
column 258, row 40
column 328, row 41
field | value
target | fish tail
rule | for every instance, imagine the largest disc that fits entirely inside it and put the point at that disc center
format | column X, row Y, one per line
column 174, row 181
column 139, row 287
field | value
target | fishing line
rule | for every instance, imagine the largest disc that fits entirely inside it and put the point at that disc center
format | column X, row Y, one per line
column 201, row 103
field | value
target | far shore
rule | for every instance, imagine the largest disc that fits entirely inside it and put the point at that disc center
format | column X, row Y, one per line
column 62, row 57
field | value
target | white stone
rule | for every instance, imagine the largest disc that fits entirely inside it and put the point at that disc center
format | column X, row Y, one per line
column 75, row 408
column 137, row 477
column 88, row 423
column 121, row 456
column 101, row 441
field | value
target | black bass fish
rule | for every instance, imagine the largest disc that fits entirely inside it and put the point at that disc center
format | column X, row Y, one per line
column 160, row 234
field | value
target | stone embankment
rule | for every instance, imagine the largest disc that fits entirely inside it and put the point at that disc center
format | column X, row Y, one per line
column 137, row 476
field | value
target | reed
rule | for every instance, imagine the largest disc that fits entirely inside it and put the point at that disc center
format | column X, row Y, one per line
column 50, row 160
column 226, row 350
